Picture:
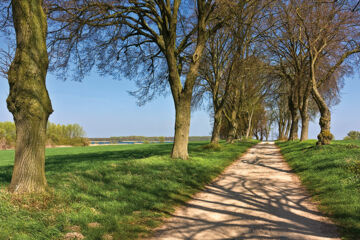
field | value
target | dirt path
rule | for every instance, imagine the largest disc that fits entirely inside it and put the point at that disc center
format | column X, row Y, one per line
column 256, row 198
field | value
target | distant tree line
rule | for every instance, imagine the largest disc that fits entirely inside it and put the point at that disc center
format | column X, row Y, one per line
column 57, row 134
column 149, row 139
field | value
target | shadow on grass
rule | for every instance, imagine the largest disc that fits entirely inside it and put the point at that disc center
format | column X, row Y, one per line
column 131, row 187
column 328, row 174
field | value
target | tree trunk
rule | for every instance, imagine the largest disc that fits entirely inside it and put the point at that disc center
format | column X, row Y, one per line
column 28, row 99
column 294, row 120
column 281, row 129
column 325, row 135
column 232, row 133
column 304, row 127
column 304, row 121
column 249, row 124
column 215, row 137
column 182, row 128
column 288, row 126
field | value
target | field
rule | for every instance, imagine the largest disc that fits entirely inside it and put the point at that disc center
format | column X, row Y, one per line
column 332, row 174
column 108, row 192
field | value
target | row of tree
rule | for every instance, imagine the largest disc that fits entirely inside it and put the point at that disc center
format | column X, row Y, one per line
column 57, row 134
column 276, row 63
column 256, row 61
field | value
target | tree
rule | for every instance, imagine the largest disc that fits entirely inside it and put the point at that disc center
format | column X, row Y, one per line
column 330, row 34
column 224, row 53
column 161, row 40
column 28, row 100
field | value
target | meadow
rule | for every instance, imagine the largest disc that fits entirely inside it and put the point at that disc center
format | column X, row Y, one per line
column 109, row 192
column 331, row 173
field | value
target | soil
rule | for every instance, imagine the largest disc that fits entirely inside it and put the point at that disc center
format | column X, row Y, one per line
column 257, row 197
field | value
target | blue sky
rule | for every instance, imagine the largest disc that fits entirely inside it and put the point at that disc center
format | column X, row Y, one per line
column 104, row 108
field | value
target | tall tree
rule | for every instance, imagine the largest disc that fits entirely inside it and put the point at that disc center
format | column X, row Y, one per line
column 226, row 50
column 28, row 99
column 330, row 34
column 162, row 40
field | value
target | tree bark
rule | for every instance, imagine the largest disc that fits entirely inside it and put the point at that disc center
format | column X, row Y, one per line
column 182, row 128
column 304, row 112
column 232, row 133
column 294, row 120
column 215, row 136
column 304, row 120
column 249, row 124
column 28, row 99
column 288, row 126
column 325, row 135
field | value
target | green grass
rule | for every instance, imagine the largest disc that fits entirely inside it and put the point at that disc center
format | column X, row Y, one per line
column 332, row 174
column 128, row 189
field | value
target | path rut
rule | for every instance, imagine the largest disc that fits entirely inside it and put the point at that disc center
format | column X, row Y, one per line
column 257, row 197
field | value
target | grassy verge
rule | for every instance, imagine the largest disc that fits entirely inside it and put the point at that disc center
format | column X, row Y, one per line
column 108, row 192
column 332, row 174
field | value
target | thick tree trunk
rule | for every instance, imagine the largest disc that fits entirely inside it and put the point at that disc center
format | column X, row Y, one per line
column 232, row 133
column 325, row 135
column 294, row 120
column 233, row 127
column 215, row 136
column 28, row 100
column 304, row 112
column 304, row 128
column 182, row 128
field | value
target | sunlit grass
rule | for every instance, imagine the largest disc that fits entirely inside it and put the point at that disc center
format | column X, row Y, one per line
column 332, row 175
column 124, row 191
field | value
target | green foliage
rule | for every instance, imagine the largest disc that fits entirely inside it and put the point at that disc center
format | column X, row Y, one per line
column 353, row 135
column 161, row 139
column 57, row 134
column 71, row 134
column 332, row 174
column 127, row 189
column 7, row 134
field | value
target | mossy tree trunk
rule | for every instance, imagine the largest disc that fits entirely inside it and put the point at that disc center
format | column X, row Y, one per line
column 28, row 100
column 325, row 136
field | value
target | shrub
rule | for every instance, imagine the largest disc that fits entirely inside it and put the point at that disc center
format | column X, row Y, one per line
column 353, row 135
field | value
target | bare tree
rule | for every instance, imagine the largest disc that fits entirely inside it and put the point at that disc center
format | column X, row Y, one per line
column 161, row 40
column 329, row 31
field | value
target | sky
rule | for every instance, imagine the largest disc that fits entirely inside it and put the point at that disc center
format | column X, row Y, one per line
column 103, row 107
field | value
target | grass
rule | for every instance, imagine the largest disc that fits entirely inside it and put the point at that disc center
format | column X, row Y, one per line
column 332, row 174
column 125, row 190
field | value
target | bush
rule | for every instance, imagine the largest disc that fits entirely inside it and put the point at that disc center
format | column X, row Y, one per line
column 212, row 146
column 353, row 135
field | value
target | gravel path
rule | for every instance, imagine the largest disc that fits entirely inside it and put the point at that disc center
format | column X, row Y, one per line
column 255, row 198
